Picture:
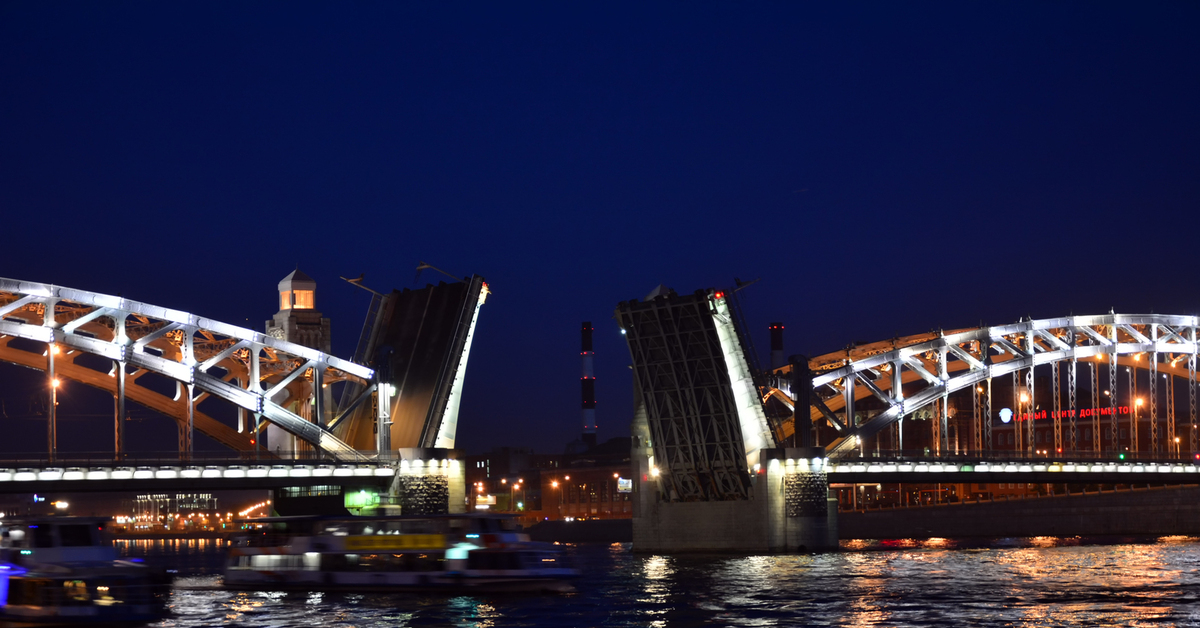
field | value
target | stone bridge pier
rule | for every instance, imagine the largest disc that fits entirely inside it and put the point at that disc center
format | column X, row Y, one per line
column 789, row 510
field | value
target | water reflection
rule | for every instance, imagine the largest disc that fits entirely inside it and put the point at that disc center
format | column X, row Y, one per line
column 1041, row 581
column 657, row 572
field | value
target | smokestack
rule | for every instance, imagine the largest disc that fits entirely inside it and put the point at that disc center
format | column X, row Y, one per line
column 776, row 345
column 588, row 386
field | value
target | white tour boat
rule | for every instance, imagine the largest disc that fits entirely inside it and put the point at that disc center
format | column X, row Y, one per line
column 64, row 571
column 447, row 552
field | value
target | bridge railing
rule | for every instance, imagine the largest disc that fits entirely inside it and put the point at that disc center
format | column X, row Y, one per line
column 197, row 459
column 900, row 455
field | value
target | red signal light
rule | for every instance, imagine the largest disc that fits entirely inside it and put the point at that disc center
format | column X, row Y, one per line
column 719, row 295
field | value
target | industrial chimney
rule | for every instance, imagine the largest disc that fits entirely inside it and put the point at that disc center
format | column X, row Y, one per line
column 588, row 387
column 776, row 345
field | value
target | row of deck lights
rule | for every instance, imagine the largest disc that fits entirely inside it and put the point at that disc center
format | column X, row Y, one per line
column 799, row 464
column 428, row 465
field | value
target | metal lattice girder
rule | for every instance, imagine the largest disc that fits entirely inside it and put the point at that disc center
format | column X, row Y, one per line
column 184, row 347
column 683, row 381
column 1011, row 348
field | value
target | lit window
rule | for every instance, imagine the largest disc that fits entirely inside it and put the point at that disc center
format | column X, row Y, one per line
column 285, row 300
column 304, row 299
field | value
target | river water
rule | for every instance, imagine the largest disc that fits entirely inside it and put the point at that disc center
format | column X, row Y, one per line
column 1004, row 582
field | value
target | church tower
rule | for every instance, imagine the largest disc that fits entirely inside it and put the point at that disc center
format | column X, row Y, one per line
column 298, row 319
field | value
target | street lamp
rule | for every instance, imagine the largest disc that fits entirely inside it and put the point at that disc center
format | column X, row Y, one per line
column 512, row 490
column 1137, row 404
column 1024, row 411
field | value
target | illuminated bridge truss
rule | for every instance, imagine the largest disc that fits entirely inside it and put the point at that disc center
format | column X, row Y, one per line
column 917, row 375
column 273, row 379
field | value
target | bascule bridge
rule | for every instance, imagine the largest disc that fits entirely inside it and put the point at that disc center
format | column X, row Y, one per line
column 386, row 419
column 732, row 457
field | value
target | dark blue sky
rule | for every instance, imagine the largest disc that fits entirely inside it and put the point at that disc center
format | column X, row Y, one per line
column 885, row 168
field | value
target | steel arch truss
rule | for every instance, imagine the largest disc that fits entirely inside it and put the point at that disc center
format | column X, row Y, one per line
column 941, row 364
column 253, row 371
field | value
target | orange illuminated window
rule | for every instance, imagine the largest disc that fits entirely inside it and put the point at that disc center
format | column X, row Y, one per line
column 285, row 300
column 304, row 300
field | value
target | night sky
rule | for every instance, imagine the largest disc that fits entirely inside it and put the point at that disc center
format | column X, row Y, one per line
column 884, row 168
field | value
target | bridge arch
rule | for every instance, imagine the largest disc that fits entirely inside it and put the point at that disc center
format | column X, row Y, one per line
column 269, row 377
column 946, row 362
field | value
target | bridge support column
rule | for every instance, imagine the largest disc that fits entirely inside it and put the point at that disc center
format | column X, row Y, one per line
column 383, row 420
column 428, row 481
column 810, row 514
column 802, row 427
column 187, row 429
column 52, row 414
column 318, row 407
column 257, row 434
column 119, row 412
column 789, row 509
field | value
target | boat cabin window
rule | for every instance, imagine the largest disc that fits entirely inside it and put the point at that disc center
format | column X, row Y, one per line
column 77, row 535
column 43, row 535
column 494, row 560
column 496, row 525
column 15, row 537
column 382, row 526
column 56, row 535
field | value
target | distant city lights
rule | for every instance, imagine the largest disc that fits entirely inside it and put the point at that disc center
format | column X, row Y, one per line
column 246, row 512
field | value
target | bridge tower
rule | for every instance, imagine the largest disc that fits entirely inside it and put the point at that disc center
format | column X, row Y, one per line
column 298, row 320
column 709, row 471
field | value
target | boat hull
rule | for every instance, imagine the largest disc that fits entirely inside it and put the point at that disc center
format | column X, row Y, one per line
column 391, row 583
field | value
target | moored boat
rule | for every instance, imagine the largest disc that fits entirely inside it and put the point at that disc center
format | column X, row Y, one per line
column 395, row 553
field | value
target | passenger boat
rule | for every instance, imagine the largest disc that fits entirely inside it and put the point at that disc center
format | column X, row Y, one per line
column 64, row 571
column 392, row 553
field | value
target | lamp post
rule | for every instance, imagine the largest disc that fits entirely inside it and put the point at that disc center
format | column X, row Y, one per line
column 1137, row 404
column 1023, row 410
column 52, row 416
column 512, row 494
